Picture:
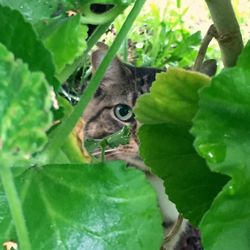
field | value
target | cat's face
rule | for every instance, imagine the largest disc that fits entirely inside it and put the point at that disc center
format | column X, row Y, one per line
column 111, row 107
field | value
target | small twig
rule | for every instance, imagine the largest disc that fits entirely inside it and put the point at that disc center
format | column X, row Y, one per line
column 211, row 33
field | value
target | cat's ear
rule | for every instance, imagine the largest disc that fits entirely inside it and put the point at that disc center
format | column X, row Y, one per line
column 209, row 67
column 114, row 69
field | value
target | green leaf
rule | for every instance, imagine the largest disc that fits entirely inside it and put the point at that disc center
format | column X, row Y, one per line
column 221, row 128
column 244, row 58
column 166, row 113
column 24, row 111
column 19, row 37
column 65, row 38
column 188, row 181
column 173, row 98
column 34, row 11
column 121, row 137
column 103, row 206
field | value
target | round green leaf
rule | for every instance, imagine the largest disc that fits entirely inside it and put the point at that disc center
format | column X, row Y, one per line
column 166, row 145
column 221, row 128
column 103, row 206
column 24, row 110
column 19, row 37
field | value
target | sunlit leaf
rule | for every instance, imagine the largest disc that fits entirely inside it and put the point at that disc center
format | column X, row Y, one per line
column 65, row 38
column 24, row 111
column 103, row 206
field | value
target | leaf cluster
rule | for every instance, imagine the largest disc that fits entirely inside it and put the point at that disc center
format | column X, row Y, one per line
column 44, row 172
column 199, row 129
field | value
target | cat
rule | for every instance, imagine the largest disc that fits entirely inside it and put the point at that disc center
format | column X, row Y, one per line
column 112, row 108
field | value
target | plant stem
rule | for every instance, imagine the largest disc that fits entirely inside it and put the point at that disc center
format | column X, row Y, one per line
column 69, row 69
column 66, row 127
column 15, row 207
column 229, row 35
column 125, row 50
column 96, row 35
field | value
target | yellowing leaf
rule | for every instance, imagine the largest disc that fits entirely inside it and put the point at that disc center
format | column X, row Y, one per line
column 25, row 109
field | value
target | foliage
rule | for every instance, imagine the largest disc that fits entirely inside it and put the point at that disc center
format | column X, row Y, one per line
column 166, row 114
column 79, row 209
column 204, row 195
column 159, row 38
column 13, row 21
column 18, row 83
column 121, row 137
column 86, row 207
column 44, row 174
column 72, row 36
column 221, row 130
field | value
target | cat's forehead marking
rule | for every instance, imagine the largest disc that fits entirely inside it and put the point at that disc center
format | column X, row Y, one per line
column 142, row 80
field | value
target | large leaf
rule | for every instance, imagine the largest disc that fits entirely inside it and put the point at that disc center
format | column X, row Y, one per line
column 103, row 206
column 166, row 145
column 34, row 11
column 19, row 37
column 222, row 134
column 65, row 38
column 24, row 110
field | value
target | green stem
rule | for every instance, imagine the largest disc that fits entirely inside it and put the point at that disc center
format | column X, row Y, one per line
column 15, row 207
column 103, row 145
column 125, row 50
column 69, row 69
column 55, row 143
column 96, row 35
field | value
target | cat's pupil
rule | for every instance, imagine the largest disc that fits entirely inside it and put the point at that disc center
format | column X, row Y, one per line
column 123, row 112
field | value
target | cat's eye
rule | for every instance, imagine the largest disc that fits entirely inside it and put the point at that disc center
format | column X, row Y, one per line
column 123, row 112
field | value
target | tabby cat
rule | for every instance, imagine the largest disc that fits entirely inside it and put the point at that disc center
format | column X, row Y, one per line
column 111, row 109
